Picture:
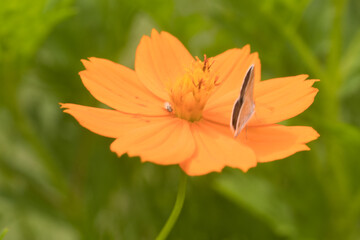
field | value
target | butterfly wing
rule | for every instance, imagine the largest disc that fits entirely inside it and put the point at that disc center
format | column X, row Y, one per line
column 244, row 106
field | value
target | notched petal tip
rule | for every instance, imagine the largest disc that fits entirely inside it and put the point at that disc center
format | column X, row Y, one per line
column 306, row 148
column 246, row 169
column 154, row 32
column 116, row 151
column 85, row 62
column 198, row 171
column 65, row 106
column 246, row 47
column 306, row 134
column 82, row 73
column 142, row 41
column 304, row 76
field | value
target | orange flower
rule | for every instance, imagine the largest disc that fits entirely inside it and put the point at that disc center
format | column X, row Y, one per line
column 176, row 109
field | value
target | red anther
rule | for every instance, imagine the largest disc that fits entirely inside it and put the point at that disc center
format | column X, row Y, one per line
column 212, row 62
column 192, row 80
column 205, row 62
column 200, row 82
column 216, row 83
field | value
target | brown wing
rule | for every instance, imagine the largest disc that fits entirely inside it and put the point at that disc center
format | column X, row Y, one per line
column 244, row 106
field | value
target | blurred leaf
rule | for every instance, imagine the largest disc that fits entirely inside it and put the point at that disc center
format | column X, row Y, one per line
column 28, row 223
column 350, row 67
column 27, row 23
column 348, row 142
column 261, row 198
column 3, row 233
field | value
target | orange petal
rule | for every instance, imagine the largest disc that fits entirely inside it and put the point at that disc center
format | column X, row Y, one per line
column 221, row 110
column 215, row 149
column 160, row 60
column 231, row 67
column 162, row 140
column 273, row 142
column 282, row 98
column 166, row 141
column 106, row 122
column 275, row 100
column 118, row 87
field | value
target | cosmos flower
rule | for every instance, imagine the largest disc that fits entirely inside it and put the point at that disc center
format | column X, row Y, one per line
column 176, row 109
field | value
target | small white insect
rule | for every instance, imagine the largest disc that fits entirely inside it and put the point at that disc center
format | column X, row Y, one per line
column 168, row 107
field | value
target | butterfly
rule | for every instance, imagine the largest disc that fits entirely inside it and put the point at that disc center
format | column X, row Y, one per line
column 244, row 106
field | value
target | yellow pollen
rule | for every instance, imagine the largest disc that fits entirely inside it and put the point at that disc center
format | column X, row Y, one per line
column 190, row 92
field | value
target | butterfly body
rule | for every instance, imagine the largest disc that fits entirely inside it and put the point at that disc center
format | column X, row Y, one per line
column 244, row 106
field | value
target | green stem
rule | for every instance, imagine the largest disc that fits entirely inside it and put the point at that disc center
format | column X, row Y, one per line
column 176, row 210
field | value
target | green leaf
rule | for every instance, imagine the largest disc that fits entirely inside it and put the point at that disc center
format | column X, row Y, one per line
column 261, row 198
column 3, row 233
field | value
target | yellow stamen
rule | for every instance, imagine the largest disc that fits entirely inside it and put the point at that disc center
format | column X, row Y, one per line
column 190, row 92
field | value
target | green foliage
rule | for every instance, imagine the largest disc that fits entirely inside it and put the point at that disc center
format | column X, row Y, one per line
column 59, row 181
column 261, row 198
column 3, row 233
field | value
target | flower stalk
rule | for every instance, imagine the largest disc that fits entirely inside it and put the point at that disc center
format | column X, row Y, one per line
column 176, row 210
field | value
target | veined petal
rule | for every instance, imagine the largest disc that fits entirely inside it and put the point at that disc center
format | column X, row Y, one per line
column 118, row 87
column 275, row 100
column 160, row 60
column 231, row 67
column 273, row 142
column 106, row 122
column 220, row 111
column 164, row 141
column 282, row 98
column 215, row 149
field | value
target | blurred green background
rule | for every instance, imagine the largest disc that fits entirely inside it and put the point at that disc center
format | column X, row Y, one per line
column 60, row 181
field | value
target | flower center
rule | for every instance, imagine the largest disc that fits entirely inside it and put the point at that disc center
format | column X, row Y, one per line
column 190, row 92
